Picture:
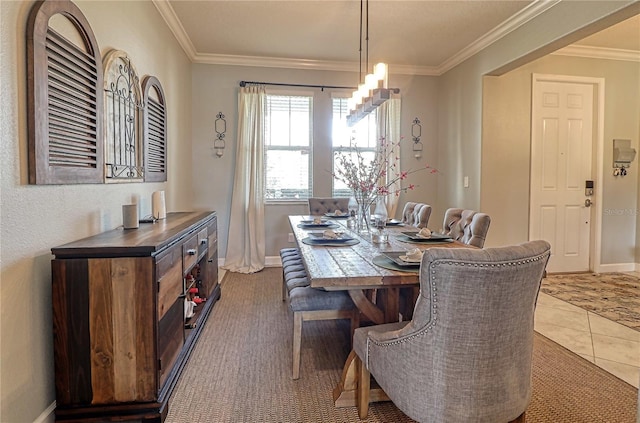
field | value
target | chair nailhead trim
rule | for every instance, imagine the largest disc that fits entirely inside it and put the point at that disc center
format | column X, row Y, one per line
column 434, row 299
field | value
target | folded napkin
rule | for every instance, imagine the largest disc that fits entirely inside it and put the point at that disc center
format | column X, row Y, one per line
column 414, row 254
column 424, row 233
column 317, row 220
column 329, row 234
column 338, row 212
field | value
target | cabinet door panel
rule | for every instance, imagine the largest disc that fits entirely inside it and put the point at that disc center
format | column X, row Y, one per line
column 70, row 299
column 121, row 344
column 169, row 274
column 170, row 337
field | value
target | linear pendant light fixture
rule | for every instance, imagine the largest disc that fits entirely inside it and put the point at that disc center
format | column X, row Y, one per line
column 372, row 90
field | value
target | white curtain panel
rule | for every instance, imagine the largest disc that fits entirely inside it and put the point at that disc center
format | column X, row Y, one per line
column 389, row 129
column 246, row 241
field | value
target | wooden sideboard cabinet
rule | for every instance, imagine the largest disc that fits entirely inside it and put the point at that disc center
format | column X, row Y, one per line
column 120, row 301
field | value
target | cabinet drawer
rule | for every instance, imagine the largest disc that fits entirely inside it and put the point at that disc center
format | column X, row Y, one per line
column 212, row 232
column 189, row 253
column 169, row 278
column 202, row 242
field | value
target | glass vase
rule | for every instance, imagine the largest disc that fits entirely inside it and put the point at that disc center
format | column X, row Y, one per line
column 379, row 233
column 363, row 218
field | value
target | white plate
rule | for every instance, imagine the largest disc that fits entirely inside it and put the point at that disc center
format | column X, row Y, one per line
column 410, row 260
column 320, row 236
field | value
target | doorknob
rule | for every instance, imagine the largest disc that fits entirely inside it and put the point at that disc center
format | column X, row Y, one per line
column 587, row 202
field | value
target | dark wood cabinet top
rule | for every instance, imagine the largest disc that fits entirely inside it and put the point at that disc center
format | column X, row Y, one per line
column 147, row 240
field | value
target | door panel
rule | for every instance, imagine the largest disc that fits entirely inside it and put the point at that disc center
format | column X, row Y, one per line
column 562, row 144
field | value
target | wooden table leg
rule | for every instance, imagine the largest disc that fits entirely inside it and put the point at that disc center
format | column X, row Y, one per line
column 369, row 309
column 390, row 299
column 346, row 393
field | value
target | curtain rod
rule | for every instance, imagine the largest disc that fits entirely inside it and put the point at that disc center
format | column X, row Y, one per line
column 322, row 87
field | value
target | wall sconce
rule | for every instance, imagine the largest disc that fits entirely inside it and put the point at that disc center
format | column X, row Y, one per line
column 220, row 128
column 416, row 133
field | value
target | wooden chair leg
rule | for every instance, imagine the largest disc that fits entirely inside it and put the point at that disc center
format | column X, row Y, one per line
column 364, row 385
column 520, row 419
column 297, row 339
column 284, row 286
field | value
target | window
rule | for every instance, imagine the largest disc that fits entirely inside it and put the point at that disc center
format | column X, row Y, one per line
column 346, row 140
column 288, row 135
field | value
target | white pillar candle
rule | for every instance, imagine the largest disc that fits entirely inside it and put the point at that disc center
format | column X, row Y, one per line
column 158, row 205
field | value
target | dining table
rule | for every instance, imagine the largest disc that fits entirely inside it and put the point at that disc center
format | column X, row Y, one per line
column 381, row 284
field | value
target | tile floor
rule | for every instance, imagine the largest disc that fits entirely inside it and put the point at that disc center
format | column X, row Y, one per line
column 610, row 345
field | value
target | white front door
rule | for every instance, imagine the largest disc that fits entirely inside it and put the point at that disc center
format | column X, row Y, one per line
column 561, row 162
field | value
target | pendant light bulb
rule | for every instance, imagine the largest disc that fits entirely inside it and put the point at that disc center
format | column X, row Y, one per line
column 351, row 104
column 371, row 81
column 363, row 93
column 380, row 71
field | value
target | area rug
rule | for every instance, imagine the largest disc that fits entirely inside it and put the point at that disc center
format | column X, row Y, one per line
column 614, row 296
column 240, row 370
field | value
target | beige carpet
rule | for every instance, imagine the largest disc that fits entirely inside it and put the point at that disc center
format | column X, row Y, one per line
column 240, row 370
column 614, row 296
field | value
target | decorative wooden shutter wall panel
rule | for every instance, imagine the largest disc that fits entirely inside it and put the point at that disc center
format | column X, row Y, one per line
column 65, row 100
column 155, row 131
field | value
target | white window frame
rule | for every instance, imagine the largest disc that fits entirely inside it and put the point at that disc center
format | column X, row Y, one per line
column 309, row 148
column 364, row 128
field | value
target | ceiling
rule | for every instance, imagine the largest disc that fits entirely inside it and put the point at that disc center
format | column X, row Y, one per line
column 418, row 36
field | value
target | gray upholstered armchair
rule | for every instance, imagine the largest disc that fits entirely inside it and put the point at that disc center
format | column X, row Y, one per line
column 466, row 354
column 416, row 214
column 467, row 226
column 319, row 206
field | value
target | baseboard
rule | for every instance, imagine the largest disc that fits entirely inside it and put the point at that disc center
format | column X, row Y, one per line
column 269, row 261
column 272, row 261
column 617, row 267
column 48, row 415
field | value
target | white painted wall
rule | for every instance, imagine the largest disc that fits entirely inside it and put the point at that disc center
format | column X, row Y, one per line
column 460, row 90
column 36, row 218
column 215, row 89
column 506, row 150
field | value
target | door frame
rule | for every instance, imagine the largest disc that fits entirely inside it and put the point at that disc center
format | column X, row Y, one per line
column 595, row 240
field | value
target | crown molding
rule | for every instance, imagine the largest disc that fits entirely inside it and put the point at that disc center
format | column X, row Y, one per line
column 323, row 65
column 174, row 24
column 519, row 19
column 599, row 53
column 525, row 15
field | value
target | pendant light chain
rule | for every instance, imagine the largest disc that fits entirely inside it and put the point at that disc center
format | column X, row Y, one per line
column 372, row 89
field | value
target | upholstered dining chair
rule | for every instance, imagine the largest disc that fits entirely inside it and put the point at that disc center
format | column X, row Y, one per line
column 466, row 354
column 309, row 303
column 467, row 226
column 416, row 214
column 319, row 205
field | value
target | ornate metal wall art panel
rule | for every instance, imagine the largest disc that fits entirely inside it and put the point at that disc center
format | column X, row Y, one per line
column 123, row 119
